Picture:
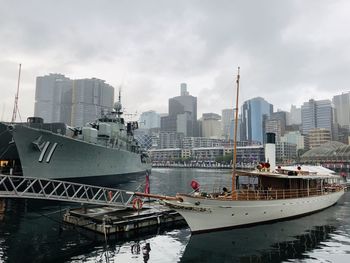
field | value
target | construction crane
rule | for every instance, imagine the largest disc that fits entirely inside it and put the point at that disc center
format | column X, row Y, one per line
column 15, row 106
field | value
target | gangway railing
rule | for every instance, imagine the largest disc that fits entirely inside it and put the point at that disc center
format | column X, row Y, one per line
column 38, row 188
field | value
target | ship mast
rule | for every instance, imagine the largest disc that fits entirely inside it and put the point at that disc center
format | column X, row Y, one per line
column 235, row 141
column 15, row 106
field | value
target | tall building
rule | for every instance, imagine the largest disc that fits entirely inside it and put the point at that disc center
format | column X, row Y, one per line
column 74, row 102
column 342, row 107
column 318, row 114
column 276, row 124
column 254, row 111
column 170, row 140
column 53, row 98
column 294, row 137
column 182, row 117
column 294, row 116
column 211, row 127
column 149, row 120
column 318, row 136
column 286, row 152
column 227, row 123
column 90, row 98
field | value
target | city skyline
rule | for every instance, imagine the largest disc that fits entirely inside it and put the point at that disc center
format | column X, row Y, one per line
column 289, row 51
column 138, row 114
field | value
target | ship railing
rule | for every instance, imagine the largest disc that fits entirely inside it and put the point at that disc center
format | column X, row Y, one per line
column 256, row 194
column 39, row 188
column 244, row 194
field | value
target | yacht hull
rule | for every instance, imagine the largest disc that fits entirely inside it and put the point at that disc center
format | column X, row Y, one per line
column 203, row 215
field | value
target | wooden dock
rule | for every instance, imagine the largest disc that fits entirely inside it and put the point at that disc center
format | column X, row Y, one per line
column 111, row 220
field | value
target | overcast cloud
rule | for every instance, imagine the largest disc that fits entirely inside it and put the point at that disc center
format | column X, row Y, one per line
column 288, row 51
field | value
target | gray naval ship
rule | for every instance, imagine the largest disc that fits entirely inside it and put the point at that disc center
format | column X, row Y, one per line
column 105, row 152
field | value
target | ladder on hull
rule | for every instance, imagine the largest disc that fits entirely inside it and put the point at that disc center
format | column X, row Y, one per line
column 46, row 189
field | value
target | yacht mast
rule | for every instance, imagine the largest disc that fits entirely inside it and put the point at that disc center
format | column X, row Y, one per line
column 15, row 106
column 235, row 140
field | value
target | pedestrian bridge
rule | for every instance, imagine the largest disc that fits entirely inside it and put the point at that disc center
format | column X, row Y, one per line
column 38, row 188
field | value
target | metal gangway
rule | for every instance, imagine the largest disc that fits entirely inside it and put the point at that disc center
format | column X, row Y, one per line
column 38, row 188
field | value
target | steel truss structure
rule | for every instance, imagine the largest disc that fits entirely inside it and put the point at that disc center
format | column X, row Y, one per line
column 38, row 188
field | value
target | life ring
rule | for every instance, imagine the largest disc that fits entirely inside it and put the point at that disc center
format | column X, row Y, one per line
column 137, row 203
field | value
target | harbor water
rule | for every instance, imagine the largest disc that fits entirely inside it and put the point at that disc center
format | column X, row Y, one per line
column 33, row 231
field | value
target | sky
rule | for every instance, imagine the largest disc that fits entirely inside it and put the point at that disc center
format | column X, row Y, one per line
column 288, row 51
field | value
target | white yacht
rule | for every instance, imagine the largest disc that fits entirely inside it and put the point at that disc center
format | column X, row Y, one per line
column 272, row 193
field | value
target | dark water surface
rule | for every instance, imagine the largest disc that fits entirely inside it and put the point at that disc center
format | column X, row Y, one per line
column 32, row 231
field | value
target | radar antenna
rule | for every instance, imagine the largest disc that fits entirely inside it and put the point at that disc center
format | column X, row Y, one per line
column 118, row 104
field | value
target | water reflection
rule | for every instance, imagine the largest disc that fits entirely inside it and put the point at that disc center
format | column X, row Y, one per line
column 2, row 209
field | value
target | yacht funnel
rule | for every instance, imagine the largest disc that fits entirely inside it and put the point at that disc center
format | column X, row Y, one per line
column 270, row 150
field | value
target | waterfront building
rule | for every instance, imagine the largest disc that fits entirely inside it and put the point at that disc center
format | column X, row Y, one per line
column 318, row 114
column 197, row 142
column 186, row 153
column 335, row 153
column 211, row 126
column 162, row 155
column 207, row 154
column 317, row 137
column 251, row 154
column 342, row 106
column 253, row 112
column 286, row 152
column 245, row 154
column 170, row 140
column 149, row 120
column 294, row 137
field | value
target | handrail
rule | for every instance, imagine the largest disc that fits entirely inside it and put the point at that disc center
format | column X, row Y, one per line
column 285, row 193
column 40, row 188
column 249, row 194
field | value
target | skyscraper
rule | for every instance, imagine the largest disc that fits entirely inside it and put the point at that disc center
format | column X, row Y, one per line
column 227, row 123
column 253, row 113
column 53, row 98
column 149, row 120
column 74, row 102
column 294, row 116
column 211, row 125
column 342, row 107
column 318, row 114
column 276, row 124
column 182, row 116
